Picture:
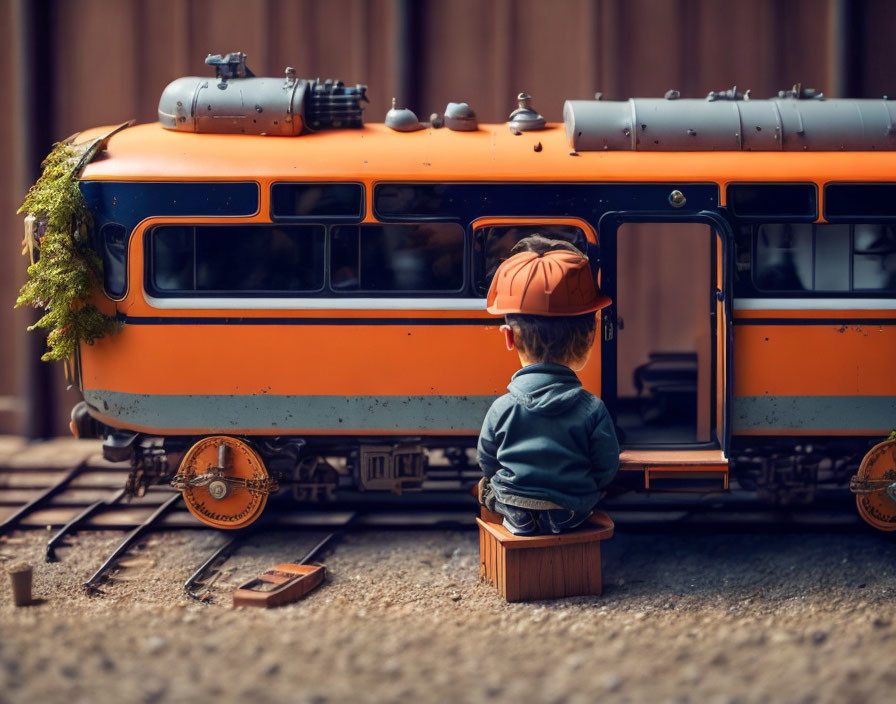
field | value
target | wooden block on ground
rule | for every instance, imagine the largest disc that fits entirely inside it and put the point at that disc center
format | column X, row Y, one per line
column 543, row 566
column 282, row 584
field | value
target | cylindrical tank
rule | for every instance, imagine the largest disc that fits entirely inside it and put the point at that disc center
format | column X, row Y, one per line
column 656, row 124
column 267, row 106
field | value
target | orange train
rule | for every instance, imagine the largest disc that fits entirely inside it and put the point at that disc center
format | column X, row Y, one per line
column 307, row 306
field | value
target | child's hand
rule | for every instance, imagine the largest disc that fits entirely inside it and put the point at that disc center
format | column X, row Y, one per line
column 486, row 495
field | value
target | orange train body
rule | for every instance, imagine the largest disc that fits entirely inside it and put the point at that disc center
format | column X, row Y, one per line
column 332, row 367
column 372, row 362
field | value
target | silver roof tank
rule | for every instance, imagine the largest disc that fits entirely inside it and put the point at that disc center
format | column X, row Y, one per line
column 237, row 102
column 723, row 122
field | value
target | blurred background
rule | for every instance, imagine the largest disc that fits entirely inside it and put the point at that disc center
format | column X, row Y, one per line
column 73, row 64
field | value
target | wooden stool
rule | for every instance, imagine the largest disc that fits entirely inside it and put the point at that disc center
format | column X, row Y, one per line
column 542, row 566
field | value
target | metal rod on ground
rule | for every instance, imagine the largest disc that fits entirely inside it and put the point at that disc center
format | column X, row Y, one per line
column 332, row 537
column 312, row 553
column 138, row 532
column 40, row 500
column 77, row 521
column 218, row 557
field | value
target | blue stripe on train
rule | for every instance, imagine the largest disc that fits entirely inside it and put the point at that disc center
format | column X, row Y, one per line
column 279, row 413
column 813, row 413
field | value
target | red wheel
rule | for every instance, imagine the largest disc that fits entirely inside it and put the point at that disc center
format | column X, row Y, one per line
column 224, row 482
column 876, row 473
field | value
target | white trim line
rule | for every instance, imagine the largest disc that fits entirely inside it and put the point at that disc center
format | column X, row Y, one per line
column 316, row 303
column 814, row 304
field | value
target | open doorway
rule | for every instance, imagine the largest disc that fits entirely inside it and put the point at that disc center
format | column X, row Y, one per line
column 664, row 333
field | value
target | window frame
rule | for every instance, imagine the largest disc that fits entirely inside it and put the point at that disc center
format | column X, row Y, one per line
column 850, row 293
column 149, row 264
column 102, row 248
column 461, row 292
column 856, row 218
column 508, row 221
column 317, row 218
column 461, row 298
column 764, row 217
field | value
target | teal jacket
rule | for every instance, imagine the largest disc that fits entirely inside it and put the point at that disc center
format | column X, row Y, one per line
column 548, row 439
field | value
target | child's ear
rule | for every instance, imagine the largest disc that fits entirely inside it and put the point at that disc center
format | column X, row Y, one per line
column 508, row 337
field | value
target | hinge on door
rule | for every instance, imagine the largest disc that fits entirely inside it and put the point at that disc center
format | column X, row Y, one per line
column 608, row 325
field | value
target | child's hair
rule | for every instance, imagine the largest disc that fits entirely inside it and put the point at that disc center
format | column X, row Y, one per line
column 551, row 338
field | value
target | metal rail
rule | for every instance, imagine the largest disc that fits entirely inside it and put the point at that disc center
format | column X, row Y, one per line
column 197, row 584
column 77, row 521
column 37, row 502
column 93, row 583
column 439, row 508
column 199, row 579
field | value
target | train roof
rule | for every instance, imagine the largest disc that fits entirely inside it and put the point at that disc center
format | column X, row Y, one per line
column 490, row 153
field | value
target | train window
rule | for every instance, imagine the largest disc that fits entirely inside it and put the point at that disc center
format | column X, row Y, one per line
column 821, row 259
column 797, row 201
column 783, row 257
column 426, row 200
column 386, row 258
column 236, row 260
column 172, row 262
column 852, row 201
column 317, row 200
column 832, row 258
column 874, row 258
column 113, row 237
column 494, row 242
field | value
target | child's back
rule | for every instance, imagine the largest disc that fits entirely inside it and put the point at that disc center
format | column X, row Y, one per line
column 548, row 446
column 549, row 440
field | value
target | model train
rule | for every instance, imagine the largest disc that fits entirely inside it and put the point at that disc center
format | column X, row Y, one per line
column 301, row 296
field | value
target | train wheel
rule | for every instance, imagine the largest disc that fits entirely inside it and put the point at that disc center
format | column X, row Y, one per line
column 224, row 482
column 875, row 486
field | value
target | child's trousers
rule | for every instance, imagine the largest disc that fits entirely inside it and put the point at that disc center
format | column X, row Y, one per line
column 529, row 521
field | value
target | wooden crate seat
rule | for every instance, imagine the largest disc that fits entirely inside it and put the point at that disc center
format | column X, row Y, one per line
column 542, row 566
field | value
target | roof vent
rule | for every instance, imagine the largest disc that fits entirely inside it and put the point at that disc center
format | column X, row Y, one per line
column 402, row 119
column 460, row 118
column 524, row 118
column 730, row 94
column 232, row 65
column 800, row 93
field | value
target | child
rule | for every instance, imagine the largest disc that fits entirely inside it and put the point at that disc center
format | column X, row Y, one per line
column 548, row 447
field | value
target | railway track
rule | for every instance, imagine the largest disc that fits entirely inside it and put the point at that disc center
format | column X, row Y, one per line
column 89, row 497
column 87, row 494
column 37, row 498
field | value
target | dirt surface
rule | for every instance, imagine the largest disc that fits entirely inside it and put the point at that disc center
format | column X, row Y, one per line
column 685, row 617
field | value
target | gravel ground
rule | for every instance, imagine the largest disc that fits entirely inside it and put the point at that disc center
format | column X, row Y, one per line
column 685, row 617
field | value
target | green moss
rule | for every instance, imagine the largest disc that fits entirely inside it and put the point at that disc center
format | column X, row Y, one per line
column 68, row 271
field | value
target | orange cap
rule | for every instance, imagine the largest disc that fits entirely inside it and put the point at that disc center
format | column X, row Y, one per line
column 558, row 282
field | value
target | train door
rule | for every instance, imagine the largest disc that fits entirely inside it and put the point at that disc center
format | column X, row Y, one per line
column 665, row 339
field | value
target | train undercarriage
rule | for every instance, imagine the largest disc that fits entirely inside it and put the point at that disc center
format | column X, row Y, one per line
column 226, row 480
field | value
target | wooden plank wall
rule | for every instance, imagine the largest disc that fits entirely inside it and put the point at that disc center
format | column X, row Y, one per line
column 110, row 60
